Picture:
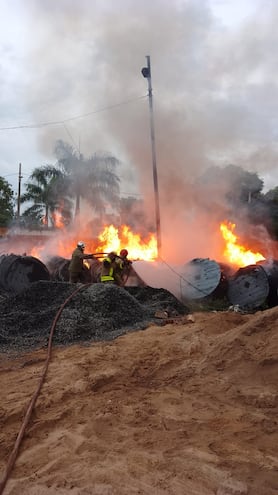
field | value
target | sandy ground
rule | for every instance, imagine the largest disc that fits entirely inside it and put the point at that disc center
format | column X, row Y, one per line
column 184, row 409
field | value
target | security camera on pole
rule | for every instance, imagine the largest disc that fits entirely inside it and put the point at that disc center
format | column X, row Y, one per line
column 146, row 72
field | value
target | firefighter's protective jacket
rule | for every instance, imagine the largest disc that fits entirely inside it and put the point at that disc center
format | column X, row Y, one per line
column 107, row 270
column 76, row 262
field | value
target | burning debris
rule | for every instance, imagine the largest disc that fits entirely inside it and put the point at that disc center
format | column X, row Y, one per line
column 58, row 268
column 234, row 251
column 253, row 286
column 98, row 312
column 249, row 288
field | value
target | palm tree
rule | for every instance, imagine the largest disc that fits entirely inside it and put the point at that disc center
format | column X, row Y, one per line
column 93, row 178
column 103, row 185
column 47, row 190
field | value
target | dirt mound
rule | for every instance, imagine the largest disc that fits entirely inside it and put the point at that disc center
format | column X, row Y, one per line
column 179, row 409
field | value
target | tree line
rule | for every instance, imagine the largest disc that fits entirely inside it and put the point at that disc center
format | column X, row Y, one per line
column 244, row 196
column 51, row 189
column 60, row 188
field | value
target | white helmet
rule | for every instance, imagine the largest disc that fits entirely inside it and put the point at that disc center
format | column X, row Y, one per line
column 81, row 244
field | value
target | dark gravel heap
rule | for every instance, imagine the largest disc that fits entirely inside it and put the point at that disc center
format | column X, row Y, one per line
column 158, row 299
column 97, row 312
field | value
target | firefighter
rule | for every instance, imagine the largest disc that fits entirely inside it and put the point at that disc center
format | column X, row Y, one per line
column 76, row 263
column 122, row 267
column 108, row 269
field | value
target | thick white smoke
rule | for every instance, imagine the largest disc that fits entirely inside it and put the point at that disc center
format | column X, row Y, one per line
column 215, row 98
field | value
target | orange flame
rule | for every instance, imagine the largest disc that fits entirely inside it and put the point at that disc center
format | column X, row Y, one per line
column 110, row 239
column 58, row 219
column 37, row 252
column 114, row 239
column 234, row 252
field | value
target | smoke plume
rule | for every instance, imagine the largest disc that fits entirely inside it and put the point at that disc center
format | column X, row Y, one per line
column 215, row 99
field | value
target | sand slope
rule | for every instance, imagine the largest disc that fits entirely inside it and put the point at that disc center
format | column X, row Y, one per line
column 183, row 409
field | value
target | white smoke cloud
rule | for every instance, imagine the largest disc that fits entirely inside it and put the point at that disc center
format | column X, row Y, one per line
column 215, row 97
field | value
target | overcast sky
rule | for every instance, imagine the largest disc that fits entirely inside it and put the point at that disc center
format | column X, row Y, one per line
column 72, row 70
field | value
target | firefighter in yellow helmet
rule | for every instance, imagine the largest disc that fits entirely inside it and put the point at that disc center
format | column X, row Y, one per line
column 76, row 263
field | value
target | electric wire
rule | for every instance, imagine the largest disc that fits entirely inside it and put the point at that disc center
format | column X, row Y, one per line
column 181, row 277
column 71, row 138
column 70, row 119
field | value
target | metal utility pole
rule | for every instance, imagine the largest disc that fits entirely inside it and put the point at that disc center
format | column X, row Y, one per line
column 19, row 191
column 146, row 72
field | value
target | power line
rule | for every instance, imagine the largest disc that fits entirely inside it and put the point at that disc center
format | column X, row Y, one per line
column 71, row 138
column 62, row 122
column 9, row 175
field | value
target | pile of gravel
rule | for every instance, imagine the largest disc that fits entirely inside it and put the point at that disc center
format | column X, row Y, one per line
column 158, row 300
column 97, row 312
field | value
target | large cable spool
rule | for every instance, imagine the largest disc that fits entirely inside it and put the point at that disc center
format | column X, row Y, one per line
column 200, row 278
column 271, row 269
column 197, row 279
column 249, row 287
column 58, row 268
column 18, row 272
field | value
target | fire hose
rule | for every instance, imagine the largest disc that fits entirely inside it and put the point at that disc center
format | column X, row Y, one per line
column 14, row 454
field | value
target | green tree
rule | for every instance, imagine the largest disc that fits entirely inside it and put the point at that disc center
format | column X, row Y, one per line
column 246, row 186
column 6, row 203
column 244, row 198
column 240, row 186
column 47, row 190
column 272, row 195
column 93, row 178
column 271, row 203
